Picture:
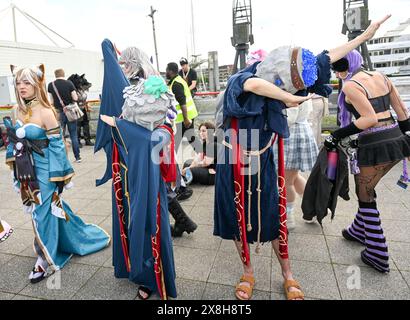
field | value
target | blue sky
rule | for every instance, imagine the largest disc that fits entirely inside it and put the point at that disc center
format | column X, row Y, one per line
column 312, row 24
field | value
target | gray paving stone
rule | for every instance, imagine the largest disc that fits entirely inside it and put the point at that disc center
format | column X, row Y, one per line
column 316, row 279
column 187, row 209
column 107, row 226
column 335, row 227
column 96, row 259
column 8, row 200
column 189, row 289
column 15, row 274
column 108, row 263
column 224, row 292
column 28, row 252
column 6, row 296
column 27, row 226
column 394, row 211
column 344, row 209
column 77, row 204
column 209, row 190
column 207, row 199
column 228, row 270
column 4, row 258
column 16, row 218
column 104, row 286
column 107, row 223
column 202, row 215
column 198, row 188
column 406, row 276
column 390, row 196
column 202, row 238
column 397, row 230
column 400, row 253
column 277, row 296
column 308, row 247
column 96, row 220
column 18, row 242
column 306, row 228
column 266, row 249
column 92, row 193
column 25, row 298
column 97, row 208
column 192, row 201
column 373, row 285
column 63, row 284
column 193, row 264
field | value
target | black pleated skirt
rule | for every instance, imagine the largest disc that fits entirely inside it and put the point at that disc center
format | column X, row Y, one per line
column 382, row 147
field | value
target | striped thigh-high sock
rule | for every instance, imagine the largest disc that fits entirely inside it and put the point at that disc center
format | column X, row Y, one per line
column 376, row 253
column 356, row 229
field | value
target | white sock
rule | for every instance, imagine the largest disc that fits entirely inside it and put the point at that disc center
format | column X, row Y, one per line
column 289, row 207
column 291, row 224
column 39, row 263
column 42, row 263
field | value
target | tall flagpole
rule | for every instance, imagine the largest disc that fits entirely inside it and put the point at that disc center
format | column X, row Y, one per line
column 193, row 28
column 151, row 15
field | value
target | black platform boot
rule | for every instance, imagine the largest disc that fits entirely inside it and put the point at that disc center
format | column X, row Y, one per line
column 376, row 253
column 87, row 135
column 182, row 222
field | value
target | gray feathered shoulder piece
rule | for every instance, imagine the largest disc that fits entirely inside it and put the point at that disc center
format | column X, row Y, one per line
column 149, row 103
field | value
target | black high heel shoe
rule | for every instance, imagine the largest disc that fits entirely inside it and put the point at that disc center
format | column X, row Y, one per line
column 37, row 275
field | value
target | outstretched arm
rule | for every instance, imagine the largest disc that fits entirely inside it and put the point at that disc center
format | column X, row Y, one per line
column 108, row 120
column 341, row 51
column 264, row 88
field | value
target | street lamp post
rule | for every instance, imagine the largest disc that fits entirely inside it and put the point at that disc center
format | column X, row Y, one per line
column 151, row 15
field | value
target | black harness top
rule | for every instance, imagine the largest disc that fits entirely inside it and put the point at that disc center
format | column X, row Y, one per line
column 379, row 104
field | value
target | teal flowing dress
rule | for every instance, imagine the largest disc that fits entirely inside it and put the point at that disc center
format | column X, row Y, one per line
column 57, row 239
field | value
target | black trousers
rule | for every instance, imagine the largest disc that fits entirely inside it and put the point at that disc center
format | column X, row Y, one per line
column 189, row 133
column 84, row 123
column 201, row 175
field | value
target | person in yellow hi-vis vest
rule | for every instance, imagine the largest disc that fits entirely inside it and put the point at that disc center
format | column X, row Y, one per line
column 187, row 113
column 186, row 108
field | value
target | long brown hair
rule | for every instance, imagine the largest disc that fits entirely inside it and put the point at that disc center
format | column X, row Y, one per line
column 35, row 76
column 210, row 127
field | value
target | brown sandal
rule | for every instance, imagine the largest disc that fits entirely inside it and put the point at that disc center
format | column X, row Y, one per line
column 293, row 295
column 245, row 289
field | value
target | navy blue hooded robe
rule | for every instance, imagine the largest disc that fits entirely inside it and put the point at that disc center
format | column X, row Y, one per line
column 266, row 115
column 141, row 182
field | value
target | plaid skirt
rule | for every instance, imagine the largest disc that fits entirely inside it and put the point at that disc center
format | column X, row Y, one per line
column 301, row 150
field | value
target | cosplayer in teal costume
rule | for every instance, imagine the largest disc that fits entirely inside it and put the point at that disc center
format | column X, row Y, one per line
column 132, row 134
column 59, row 233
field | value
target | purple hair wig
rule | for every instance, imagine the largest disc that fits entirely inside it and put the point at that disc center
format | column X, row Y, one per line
column 355, row 63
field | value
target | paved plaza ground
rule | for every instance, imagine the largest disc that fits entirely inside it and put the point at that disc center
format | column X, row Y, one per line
column 207, row 267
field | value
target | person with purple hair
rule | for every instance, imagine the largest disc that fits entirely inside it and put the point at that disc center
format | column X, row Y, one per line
column 382, row 143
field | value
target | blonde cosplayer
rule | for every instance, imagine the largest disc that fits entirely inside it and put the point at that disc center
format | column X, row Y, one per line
column 36, row 77
column 41, row 172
